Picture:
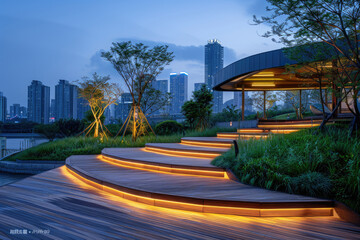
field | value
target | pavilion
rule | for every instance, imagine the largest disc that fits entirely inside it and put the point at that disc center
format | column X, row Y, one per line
column 264, row 72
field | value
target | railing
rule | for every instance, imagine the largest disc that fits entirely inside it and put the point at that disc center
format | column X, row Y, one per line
column 6, row 152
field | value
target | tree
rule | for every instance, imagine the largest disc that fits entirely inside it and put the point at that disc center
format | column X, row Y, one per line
column 293, row 98
column 229, row 113
column 197, row 111
column 100, row 94
column 154, row 100
column 70, row 127
column 270, row 99
column 335, row 23
column 138, row 65
column 48, row 130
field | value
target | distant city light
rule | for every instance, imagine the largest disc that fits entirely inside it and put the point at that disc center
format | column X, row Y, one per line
column 184, row 73
column 173, row 73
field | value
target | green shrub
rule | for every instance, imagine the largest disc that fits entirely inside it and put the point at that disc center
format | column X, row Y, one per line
column 306, row 162
column 113, row 129
column 168, row 127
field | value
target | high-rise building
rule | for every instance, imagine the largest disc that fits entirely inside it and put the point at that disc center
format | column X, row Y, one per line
column 15, row 110
column 23, row 112
column 162, row 86
column 38, row 102
column 66, row 96
column 197, row 86
column 3, row 107
column 122, row 109
column 178, row 91
column 82, row 107
column 214, row 61
column 52, row 109
column 238, row 101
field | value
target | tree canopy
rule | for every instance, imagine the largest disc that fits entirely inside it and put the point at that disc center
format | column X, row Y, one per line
column 100, row 94
column 197, row 111
column 137, row 65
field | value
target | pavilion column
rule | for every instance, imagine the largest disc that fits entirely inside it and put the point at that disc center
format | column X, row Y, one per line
column 243, row 103
column 300, row 105
column 326, row 99
column 334, row 100
column 264, row 104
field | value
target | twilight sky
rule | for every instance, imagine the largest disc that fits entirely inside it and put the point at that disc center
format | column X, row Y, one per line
column 48, row 40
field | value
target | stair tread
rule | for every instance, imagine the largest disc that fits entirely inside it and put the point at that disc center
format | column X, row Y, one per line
column 208, row 139
column 183, row 147
column 181, row 186
column 139, row 154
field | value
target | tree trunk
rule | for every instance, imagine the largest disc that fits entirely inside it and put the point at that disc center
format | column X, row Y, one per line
column 355, row 125
column 134, row 124
column 96, row 132
column 322, row 103
column 322, row 125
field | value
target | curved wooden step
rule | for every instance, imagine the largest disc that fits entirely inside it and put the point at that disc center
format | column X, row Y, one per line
column 208, row 142
column 288, row 126
column 178, row 149
column 193, row 193
column 138, row 158
column 244, row 136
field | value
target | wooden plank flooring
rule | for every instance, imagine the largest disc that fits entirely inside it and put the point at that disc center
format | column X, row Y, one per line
column 182, row 147
column 139, row 154
column 181, row 185
column 62, row 204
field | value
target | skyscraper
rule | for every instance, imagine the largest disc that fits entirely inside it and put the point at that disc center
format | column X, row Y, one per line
column 38, row 102
column 123, row 107
column 66, row 96
column 82, row 107
column 23, row 112
column 238, row 101
column 214, row 61
column 18, row 111
column 15, row 110
column 162, row 86
column 178, row 91
column 3, row 107
column 52, row 109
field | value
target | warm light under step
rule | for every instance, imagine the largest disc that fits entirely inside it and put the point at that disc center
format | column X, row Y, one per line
column 173, row 152
column 206, row 144
column 279, row 126
column 201, row 207
column 163, row 169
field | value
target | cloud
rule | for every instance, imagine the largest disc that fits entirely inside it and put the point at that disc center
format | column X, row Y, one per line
column 184, row 53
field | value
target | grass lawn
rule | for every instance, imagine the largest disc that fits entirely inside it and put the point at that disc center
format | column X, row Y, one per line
column 325, row 165
column 290, row 116
column 63, row 148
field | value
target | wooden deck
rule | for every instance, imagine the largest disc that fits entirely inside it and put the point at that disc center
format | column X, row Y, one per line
column 195, row 193
column 179, row 149
column 69, row 209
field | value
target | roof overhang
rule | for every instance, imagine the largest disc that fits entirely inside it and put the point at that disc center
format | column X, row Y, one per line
column 264, row 72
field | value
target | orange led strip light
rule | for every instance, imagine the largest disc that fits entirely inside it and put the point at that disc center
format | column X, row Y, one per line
column 207, row 144
column 161, row 169
column 183, row 153
column 275, row 212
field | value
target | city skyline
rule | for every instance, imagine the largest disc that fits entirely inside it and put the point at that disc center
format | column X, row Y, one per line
column 54, row 47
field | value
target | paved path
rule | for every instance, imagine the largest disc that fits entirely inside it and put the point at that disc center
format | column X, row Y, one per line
column 62, row 204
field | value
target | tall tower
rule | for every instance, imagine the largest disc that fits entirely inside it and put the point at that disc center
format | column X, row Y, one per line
column 214, row 61
column 178, row 91
column 3, row 107
column 162, row 86
column 38, row 102
column 66, row 96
